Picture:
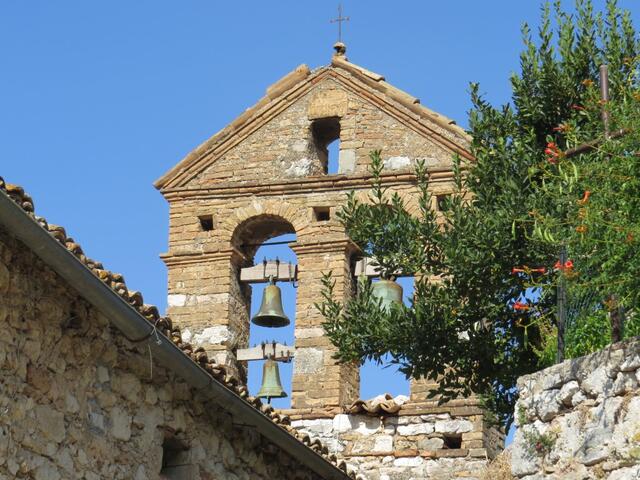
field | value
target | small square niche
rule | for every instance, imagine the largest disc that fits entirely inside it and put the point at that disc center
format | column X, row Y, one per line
column 452, row 442
column 442, row 202
column 321, row 214
column 206, row 223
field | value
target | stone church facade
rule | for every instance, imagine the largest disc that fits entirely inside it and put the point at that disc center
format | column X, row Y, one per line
column 266, row 174
column 95, row 384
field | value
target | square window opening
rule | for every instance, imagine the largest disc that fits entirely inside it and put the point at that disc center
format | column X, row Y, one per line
column 321, row 214
column 452, row 442
column 442, row 202
column 206, row 223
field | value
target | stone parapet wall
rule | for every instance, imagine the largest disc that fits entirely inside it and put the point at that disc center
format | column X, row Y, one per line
column 580, row 419
column 79, row 401
column 425, row 442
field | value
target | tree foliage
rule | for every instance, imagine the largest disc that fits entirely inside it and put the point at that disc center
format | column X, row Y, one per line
column 486, row 270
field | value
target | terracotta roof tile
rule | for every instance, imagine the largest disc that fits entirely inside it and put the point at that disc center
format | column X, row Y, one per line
column 378, row 406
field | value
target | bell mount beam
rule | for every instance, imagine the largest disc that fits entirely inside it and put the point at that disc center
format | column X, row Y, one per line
column 277, row 351
column 260, row 273
column 287, row 271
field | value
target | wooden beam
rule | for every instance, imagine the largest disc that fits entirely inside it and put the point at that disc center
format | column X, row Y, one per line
column 364, row 266
column 282, row 352
column 285, row 271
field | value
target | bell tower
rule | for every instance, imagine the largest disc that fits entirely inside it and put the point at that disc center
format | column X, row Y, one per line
column 266, row 174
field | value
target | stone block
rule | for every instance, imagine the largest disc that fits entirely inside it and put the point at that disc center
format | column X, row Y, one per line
column 396, row 163
column 347, row 161
column 453, row 426
column 383, row 443
column 328, row 103
column 415, row 429
column 308, row 361
column 120, row 424
column 51, row 422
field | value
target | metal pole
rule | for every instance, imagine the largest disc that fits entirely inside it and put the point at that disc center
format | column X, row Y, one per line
column 561, row 305
column 616, row 315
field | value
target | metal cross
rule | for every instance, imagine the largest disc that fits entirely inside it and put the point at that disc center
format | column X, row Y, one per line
column 339, row 21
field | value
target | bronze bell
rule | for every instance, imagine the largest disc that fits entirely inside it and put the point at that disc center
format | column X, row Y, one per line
column 271, row 385
column 388, row 291
column 271, row 313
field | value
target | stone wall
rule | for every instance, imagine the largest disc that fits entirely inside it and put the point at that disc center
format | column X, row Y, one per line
column 581, row 419
column 78, row 401
column 420, row 441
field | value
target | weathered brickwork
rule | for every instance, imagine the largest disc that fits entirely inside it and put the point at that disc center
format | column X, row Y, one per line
column 265, row 175
column 267, row 183
column 78, row 401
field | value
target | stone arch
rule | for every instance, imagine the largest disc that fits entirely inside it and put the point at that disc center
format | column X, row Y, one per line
column 252, row 232
column 263, row 220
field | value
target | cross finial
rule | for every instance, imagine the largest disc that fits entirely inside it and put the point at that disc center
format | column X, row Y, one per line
column 339, row 21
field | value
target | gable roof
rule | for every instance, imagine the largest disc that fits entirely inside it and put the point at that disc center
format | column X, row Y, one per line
column 369, row 85
column 108, row 293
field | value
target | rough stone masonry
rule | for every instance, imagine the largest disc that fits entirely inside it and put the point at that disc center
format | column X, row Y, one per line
column 79, row 401
column 580, row 419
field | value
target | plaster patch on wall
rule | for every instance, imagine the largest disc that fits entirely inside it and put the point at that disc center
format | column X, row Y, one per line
column 312, row 332
column 308, row 360
column 347, row 161
column 182, row 300
column 215, row 335
column 176, row 300
column 300, row 146
column 299, row 168
column 431, row 161
column 396, row 163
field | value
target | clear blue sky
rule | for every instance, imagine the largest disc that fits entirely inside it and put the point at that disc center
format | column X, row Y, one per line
column 99, row 99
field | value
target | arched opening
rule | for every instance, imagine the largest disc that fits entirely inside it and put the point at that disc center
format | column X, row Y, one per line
column 380, row 378
column 258, row 238
column 284, row 335
column 176, row 463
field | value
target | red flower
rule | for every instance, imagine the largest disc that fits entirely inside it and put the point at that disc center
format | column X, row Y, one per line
column 539, row 270
column 585, row 197
column 553, row 152
column 521, row 306
column 577, row 107
column 515, row 270
column 568, row 265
